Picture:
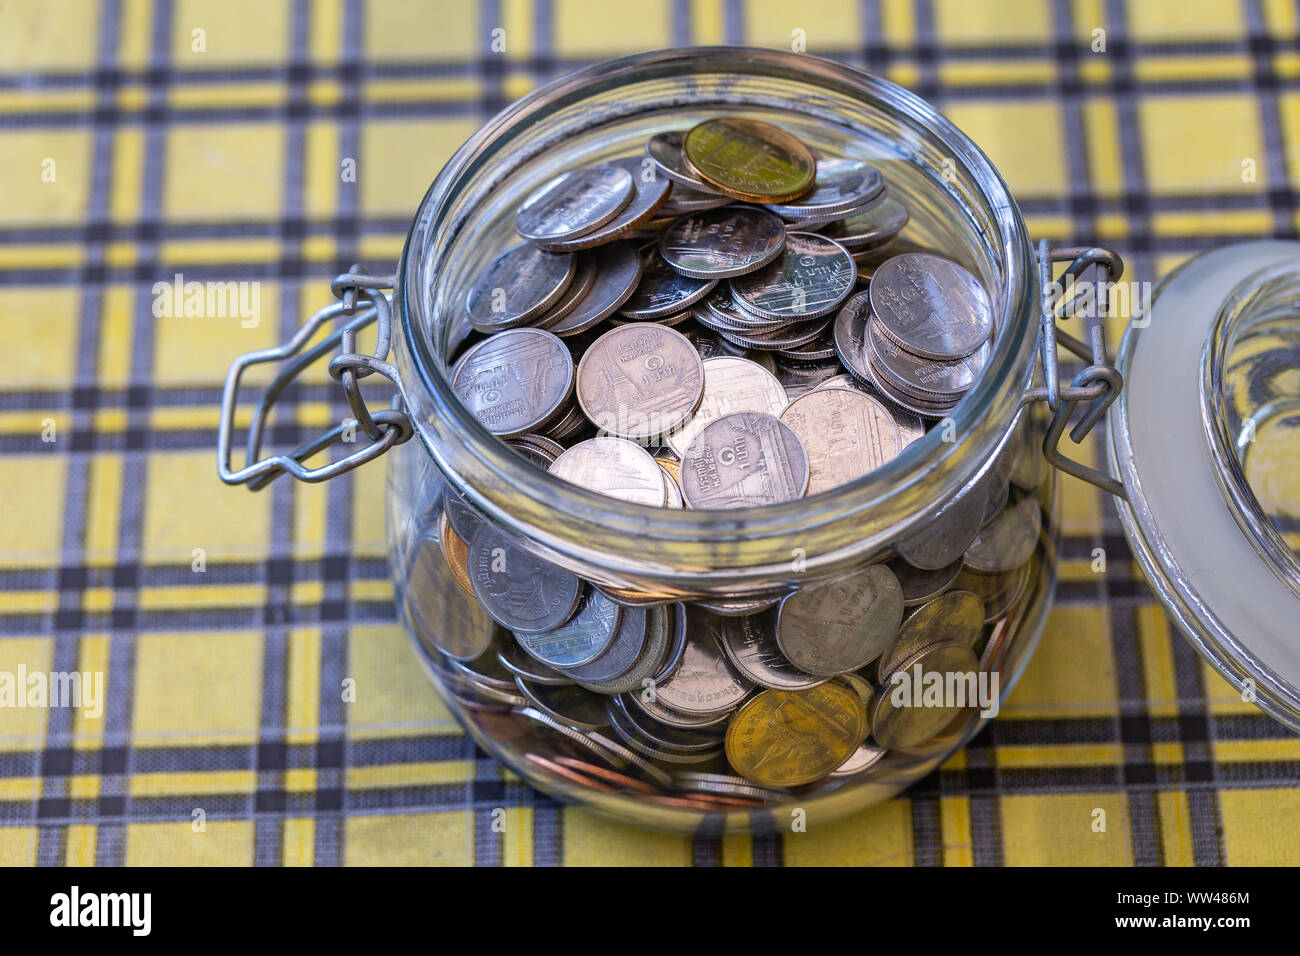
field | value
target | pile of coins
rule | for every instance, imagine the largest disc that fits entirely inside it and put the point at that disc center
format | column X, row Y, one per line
column 681, row 330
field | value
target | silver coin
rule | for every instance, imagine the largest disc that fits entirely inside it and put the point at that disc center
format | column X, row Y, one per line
column 614, row 467
column 875, row 224
column 705, row 341
column 810, row 278
column 731, row 384
column 750, row 644
column 921, row 585
column 945, row 538
column 640, row 381
column 663, row 290
column 956, row 617
column 618, row 272
column 652, row 749
column 675, row 499
column 723, row 243
column 923, row 378
column 743, row 460
column 517, row 286
column 931, row 306
column 571, row 704
column 678, row 627
column 647, row 662
column 584, row 279
column 787, row 337
column 574, row 203
column 522, row 664
column 581, row 639
column 905, row 400
column 521, row 591
column 649, row 703
column 544, row 446
column 998, row 498
column 704, row 682
column 910, row 426
column 820, row 349
column 515, row 382
column 650, row 192
column 863, row 759
column 684, row 200
column 720, row 313
column 738, row 607
column 663, row 735
column 621, row 653
column 800, row 378
column 842, row 185
column 847, row 434
column 610, row 751
column 726, row 784
column 850, row 334
column 1008, row 541
column 535, row 456
column 837, row 626
column 666, row 151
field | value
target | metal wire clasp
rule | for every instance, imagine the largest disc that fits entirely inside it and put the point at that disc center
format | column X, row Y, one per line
column 1099, row 383
column 362, row 300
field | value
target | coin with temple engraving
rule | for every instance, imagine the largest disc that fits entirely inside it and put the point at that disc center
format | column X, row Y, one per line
column 930, row 306
column 614, row 467
column 704, row 682
column 750, row 644
column 521, row 591
column 846, row 433
column 842, row 185
column 743, row 460
column 876, row 223
column 518, row 286
column 574, row 203
column 640, row 381
column 811, row 278
column 579, row 640
column 515, row 382
column 650, row 192
column 786, row 738
column 837, row 626
column 1008, row 541
column 663, row 290
column 749, row 159
column 956, row 617
column 931, row 380
column 722, row 243
column 731, row 384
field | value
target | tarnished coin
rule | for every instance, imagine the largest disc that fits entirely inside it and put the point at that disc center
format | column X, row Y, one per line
column 913, row 721
column 785, row 738
column 923, row 378
column 614, row 467
column 647, row 661
column 918, row 406
column 584, row 279
column 931, row 306
column 581, row 639
column 518, row 286
column 953, row 618
column 519, row 589
column 719, row 312
column 666, row 151
column 811, row 278
column 946, row 538
column 921, row 585
column 910, row 427
column 704, row 682
column 650, row 192
column 569, row 703
column 441, row 615
column 574, row 203
column 663, row 290
column 846, row 434
column 1008, row 541
column 837, row 626
column 876, row 223
column 786, row 337
column 841, row 186
column 722, row 243
column 621, row 653
column 850, row 334
column 749, row 159
column 730, row 385
column 515, row 382
column 640, row 381
column 750, row 644
column 522, row 664
column 743, row 460
column 456, row 551
column 650, row 704
column 618, row 272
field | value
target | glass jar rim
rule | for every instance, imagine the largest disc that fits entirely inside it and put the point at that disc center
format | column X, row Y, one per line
column 917, row 482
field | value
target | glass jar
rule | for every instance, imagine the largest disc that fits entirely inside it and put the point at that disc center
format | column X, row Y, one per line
column 683, row 564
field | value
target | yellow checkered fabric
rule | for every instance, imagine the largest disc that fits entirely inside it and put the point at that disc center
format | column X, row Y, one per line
column 141, row 139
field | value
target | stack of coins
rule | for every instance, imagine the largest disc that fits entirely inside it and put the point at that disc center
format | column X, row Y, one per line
column 680, row 330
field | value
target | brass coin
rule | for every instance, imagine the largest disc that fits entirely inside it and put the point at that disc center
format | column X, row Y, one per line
column 749, row 159
column 456, row 551
column 905, row 725
column 788, row 738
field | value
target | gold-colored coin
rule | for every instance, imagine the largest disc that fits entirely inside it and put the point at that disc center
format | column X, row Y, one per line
column 749, row 159
column 905, row 717
column 787, row 738
column 456, row 552
column 672, row 466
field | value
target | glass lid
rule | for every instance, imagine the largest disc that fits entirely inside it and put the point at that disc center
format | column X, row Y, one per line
column 1205, row 438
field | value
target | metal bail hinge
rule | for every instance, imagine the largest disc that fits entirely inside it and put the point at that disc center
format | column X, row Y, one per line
column 1098, row 383
column 363, row 302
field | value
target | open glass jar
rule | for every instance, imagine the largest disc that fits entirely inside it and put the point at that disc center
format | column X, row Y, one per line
column 693, row 572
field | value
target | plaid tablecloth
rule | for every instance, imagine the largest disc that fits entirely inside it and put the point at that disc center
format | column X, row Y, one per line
column 141, row 139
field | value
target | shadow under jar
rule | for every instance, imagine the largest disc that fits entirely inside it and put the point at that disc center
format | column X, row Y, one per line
column 694, row 573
